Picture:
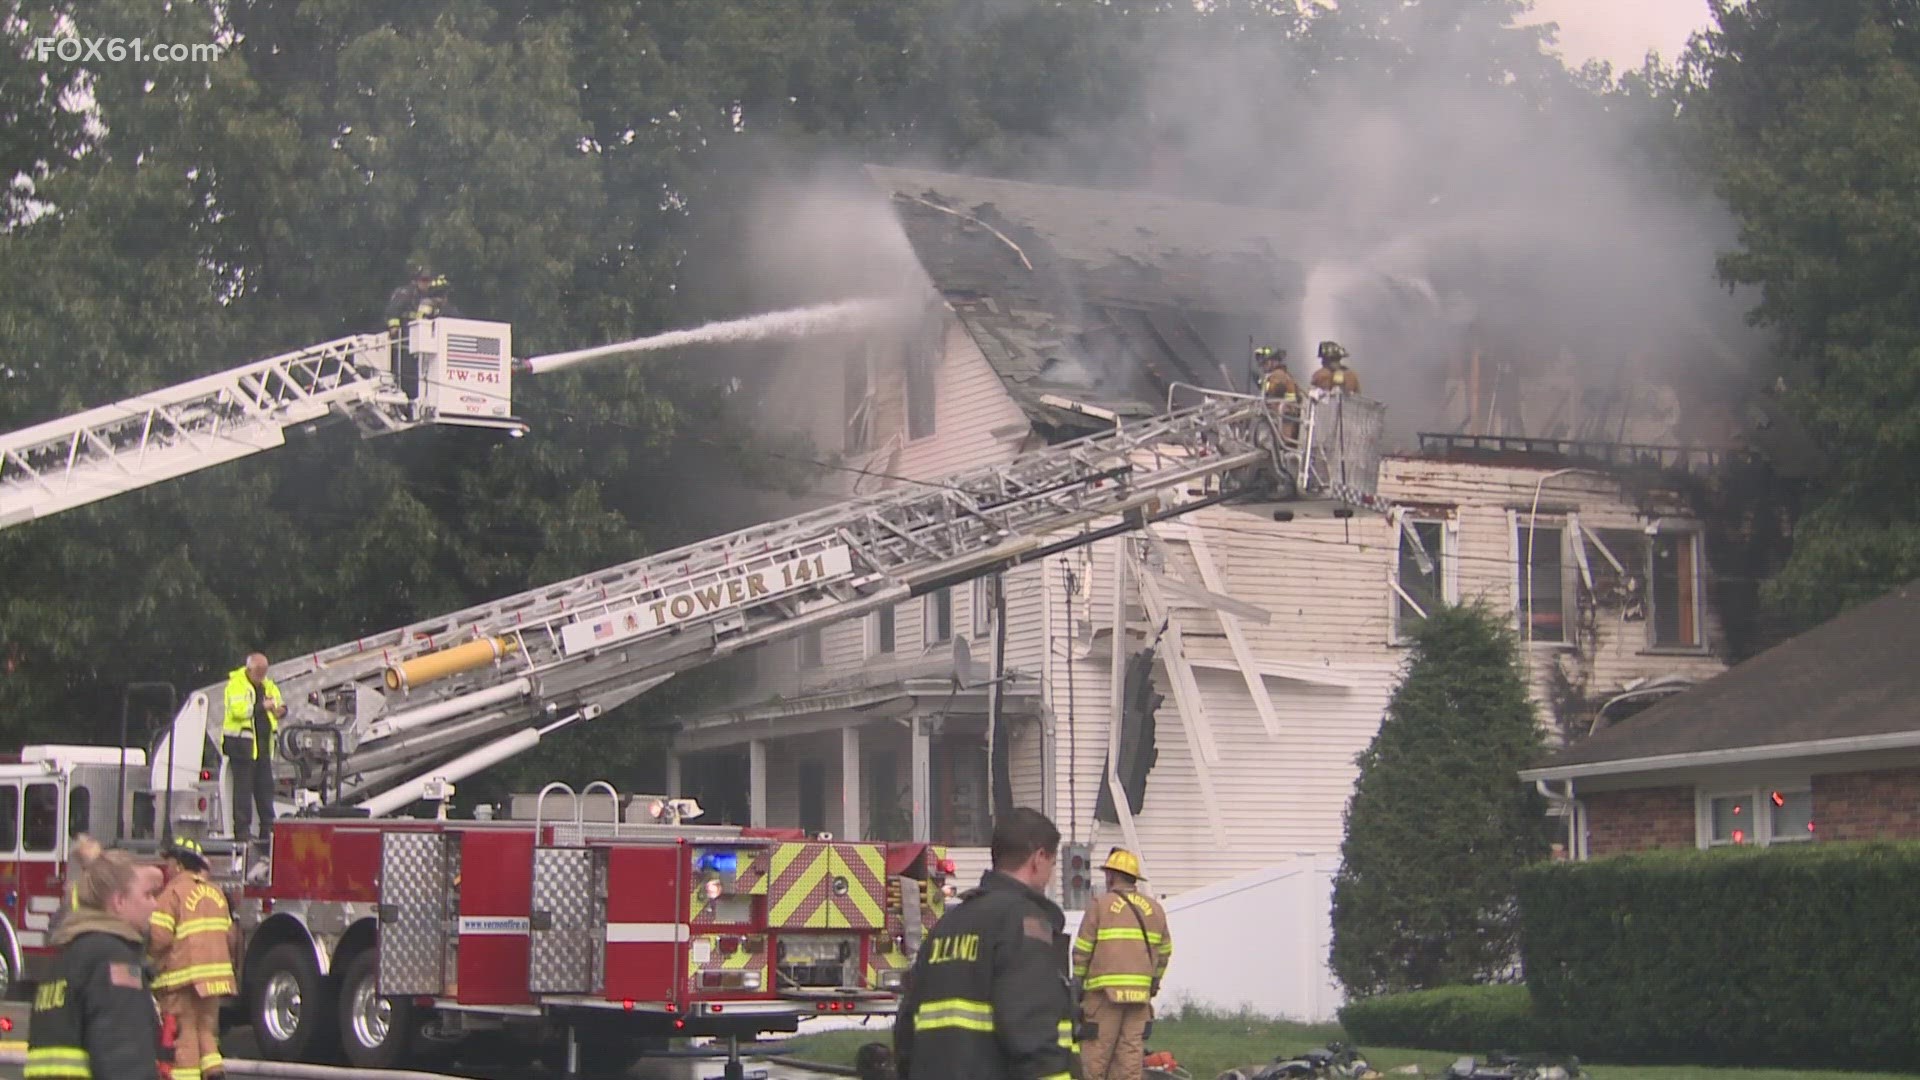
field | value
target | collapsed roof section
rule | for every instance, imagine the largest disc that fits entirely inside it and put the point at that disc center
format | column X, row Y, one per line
column 1090, row 304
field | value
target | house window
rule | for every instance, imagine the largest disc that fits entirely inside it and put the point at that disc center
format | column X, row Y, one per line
column 1422, row 580
column 1779, row 814
column 859, row 403
column 1541, row 584
column 939, row 616
column 921, row 358
column 812, row 650
column 1674, row 573
column 813, row 798
column 959, row 797
column 889, row 802
column 882, row 631
column 1789, row 816
column 1730, row 820
column 982, row 602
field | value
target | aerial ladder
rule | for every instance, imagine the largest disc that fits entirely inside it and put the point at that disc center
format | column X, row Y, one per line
column 376, row 724
column 446, row 371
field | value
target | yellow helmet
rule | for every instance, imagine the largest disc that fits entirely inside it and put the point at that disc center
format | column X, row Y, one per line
column 1124, row 861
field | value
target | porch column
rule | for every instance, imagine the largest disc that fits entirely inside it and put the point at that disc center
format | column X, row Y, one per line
column 922, row 778
column 673, row 776
column 757, row 784
column 850, row 783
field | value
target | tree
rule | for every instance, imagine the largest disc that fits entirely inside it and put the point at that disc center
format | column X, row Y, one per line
column 1809, row 107
column 1438, row 823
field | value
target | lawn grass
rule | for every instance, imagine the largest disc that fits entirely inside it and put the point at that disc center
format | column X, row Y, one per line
column 1208, row 1044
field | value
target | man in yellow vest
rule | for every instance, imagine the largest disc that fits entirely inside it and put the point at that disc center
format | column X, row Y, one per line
column 1119, row 957
column 189, row 935
column 253, row 714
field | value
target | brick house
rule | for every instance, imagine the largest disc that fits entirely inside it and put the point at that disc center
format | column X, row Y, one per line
column 1816, row 738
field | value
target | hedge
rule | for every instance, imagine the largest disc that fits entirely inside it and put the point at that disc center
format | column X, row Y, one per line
column 1468, row 1019
column 1784, row 955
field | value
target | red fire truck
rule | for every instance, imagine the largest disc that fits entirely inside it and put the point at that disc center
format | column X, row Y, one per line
column 599, row 932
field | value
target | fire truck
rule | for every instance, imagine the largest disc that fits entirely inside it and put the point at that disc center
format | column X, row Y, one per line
column 588, row 923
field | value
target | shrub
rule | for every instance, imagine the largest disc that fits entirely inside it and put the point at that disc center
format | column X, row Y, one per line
column 1784, row 955
column 1439, row 822
column 1463, row 1018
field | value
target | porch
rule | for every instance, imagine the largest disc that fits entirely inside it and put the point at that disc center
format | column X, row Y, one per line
column 905, row 761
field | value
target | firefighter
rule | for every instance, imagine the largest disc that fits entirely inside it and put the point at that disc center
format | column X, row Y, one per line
column 988, row 997
column 1276, row 382
column 424, row 296
column 254, row 712
column 95, row 1016
column 1334, row 374
column 189, row 938
column 1119, row 957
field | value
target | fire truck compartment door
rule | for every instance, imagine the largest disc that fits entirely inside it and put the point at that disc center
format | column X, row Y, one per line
column 820, row 886
column 569, row 914
column 646, row 929
column 418, row 882
column 495, row 909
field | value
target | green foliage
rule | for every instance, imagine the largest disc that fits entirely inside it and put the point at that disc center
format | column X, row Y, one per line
column 1808, row 108
column 1437, row 827
column 1782, row 955
column 1448, row 1018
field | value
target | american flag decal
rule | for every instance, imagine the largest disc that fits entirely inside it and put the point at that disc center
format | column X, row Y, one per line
column 468, row 352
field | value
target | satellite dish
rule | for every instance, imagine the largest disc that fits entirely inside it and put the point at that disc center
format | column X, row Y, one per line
column 962, row 660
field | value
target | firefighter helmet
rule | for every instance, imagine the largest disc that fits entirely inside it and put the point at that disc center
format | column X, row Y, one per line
column 1122, row 861
column 187, row 851
column 1332, row 351
column 1268, row 354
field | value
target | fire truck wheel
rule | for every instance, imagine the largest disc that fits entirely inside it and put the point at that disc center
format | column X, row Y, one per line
column 376, row 1032
column 291, row 1010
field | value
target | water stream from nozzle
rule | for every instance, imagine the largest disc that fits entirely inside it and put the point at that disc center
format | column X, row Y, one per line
column 791, row 323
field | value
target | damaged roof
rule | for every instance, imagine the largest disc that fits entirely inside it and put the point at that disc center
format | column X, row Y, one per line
column 1100, row 297
column 1851, row 677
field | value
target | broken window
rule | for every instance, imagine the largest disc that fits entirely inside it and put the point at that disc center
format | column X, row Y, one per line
column 1138, row 753
column 883, row 630
column 1674, row 573
column 1617, row 558
column 1542, row 582
column 939, row 616
column 1421, row 579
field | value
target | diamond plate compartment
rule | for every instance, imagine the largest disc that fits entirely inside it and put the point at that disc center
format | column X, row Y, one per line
column 414, row 894
column 568, row 920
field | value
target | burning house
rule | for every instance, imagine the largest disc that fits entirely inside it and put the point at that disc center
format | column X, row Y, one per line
column 1199, row 692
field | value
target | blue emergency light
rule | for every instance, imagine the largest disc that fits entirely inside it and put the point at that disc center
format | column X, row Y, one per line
column 719, row 862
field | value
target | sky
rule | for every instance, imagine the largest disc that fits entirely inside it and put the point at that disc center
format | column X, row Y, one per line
column 1621, row 31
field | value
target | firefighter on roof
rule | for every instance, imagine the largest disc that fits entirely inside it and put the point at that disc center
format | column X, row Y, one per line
column 190, row 938
column 1119, row 957
column 1334, row 374
column 94, row 1017
column 988, row 998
